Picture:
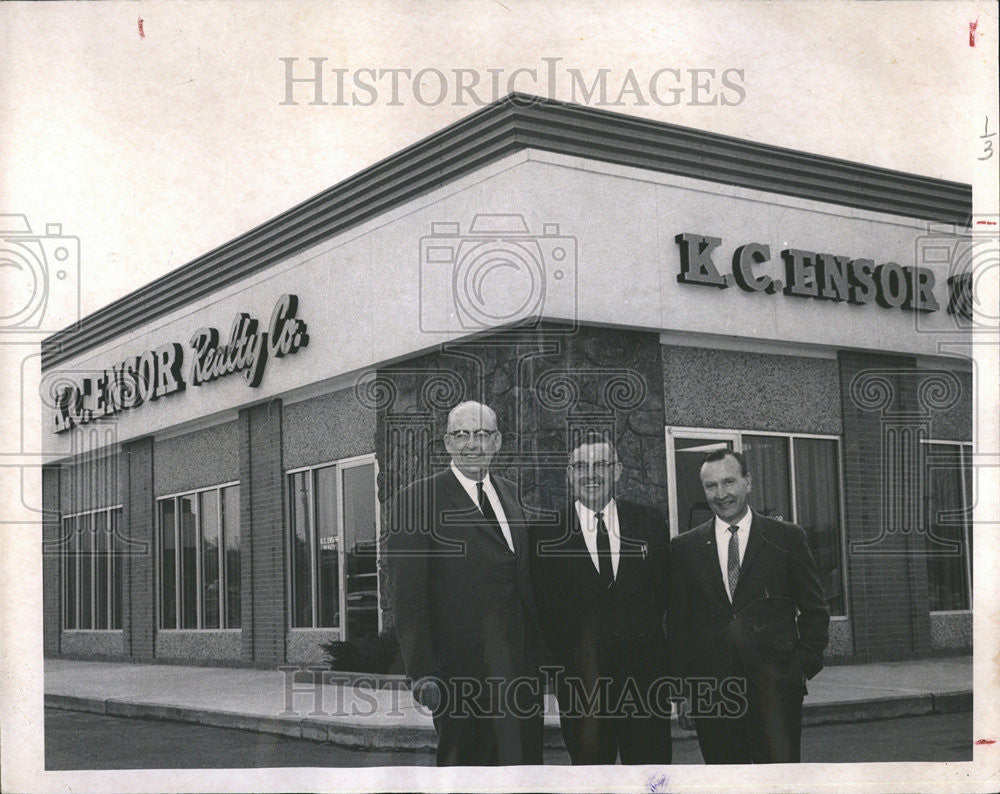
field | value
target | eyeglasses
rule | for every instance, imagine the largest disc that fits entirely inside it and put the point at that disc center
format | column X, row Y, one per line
column 481, row 436
column 598, row 466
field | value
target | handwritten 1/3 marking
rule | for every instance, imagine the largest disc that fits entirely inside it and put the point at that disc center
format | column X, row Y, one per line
column 986, row 741
column 987, row 143
column 972, row 32
column 656, row 783
column 142, row 35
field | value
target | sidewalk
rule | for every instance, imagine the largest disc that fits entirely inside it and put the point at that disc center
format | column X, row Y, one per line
column 359, row 716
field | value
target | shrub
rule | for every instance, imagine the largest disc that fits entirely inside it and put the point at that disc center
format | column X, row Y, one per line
column 371, row 654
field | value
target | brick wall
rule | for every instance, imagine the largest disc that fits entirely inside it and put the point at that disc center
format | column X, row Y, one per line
column 262, row 535
column 889, row 406
column 51, row 545
column 138, row 528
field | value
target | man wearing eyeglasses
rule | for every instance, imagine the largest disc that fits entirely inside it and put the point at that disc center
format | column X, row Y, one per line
column 600, row 576
column 460, row 588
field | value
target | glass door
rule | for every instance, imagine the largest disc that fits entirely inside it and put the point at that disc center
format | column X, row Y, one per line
column 685, row 451
column 360, row 549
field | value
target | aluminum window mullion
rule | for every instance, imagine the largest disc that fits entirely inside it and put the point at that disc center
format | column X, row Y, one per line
column 64, row 577
column 198, row 563
column 223, row 593
column 110, row 567
column 161, row 497
column 158, row 563
column 378, row 545
column 311, row 511
column 792, row 486
column 966, row 523
column 78, row 564
column 178, row 595
column 341, row 555
column 93, row 573
column 290, row 554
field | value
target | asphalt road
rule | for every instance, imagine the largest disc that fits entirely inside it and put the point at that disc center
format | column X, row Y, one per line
column 78, row 740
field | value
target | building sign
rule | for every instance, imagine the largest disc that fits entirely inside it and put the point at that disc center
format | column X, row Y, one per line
column 160, row 372
column 810, row 274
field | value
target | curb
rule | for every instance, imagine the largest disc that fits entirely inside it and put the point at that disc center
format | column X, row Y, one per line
column 361, row 736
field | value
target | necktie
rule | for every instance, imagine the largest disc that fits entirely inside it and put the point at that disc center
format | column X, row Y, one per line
column 486, row 508
column 605, row 566
column 733, row 564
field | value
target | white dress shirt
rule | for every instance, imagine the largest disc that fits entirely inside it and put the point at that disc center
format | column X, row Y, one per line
column 491, row 493
column 588, row 523
column 722, row 534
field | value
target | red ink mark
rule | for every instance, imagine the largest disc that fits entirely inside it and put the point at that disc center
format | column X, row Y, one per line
column 986, row 223
column 141, row 34
column 972, row 32
column 986, row 741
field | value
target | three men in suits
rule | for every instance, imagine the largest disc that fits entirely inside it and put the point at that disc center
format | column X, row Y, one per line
column 747, row 616
column 460, row 590
column 600, row 578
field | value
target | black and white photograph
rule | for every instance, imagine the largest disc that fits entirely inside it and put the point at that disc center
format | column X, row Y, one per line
column 499, row 396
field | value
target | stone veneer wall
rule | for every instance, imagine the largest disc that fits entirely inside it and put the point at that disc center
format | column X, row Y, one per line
column 548, row 386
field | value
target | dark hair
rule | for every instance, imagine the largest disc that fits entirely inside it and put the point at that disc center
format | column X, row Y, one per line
column 722, row 454
column 594, row 437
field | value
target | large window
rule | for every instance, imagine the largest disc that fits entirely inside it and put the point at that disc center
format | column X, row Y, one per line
column 948, row 524
column 795, row 478
column 198, row 551
column 333, row 532
column 91, row 562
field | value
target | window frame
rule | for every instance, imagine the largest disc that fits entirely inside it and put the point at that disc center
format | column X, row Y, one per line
column 92, row 555
column 736, row 437
column 199, row 574
column 965, row 448
column 340, row 465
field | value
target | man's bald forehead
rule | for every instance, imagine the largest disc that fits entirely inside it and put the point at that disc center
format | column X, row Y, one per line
column 474, row 411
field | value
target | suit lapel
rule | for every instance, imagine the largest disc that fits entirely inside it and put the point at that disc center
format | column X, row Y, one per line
column 754, row 544
column 515, row 516
column 709, row 555
column 633, row 549
column 460, row 509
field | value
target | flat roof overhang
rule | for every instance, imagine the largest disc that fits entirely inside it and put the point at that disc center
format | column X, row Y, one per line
column 514, row 123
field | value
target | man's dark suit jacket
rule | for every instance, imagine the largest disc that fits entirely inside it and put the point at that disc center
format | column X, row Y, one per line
column 593, row 631
column 463, row 607
column 757, row 636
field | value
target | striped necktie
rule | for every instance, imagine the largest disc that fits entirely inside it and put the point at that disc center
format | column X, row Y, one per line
column 733, row 564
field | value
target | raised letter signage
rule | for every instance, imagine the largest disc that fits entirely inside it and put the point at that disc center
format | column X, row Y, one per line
column 157, row 373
